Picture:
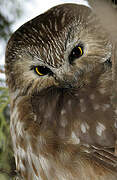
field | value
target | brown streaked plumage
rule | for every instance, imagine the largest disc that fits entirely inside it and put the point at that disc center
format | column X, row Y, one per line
column 63, row 124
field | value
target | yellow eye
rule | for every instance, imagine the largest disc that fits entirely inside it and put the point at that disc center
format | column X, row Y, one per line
column 76, row 53
column 81, row 52
column 37, row 71
column 42, row 70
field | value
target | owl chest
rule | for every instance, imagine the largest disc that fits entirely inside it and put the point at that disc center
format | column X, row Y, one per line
column 81, row 119
column 87, row 117
column 91, row 120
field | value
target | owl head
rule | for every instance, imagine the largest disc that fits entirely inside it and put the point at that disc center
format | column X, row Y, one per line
column 64, row 48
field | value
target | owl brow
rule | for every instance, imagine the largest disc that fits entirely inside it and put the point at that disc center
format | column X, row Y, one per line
column 68, row 37
column 35, row 56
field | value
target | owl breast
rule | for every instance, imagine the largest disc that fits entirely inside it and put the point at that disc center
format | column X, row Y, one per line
column 85, row 116
column 56, row 121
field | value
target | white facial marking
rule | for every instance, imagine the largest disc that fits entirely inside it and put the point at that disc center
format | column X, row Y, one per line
column 100, row 128
column 75, row 139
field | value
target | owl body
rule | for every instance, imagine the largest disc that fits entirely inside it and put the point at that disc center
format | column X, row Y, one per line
column 63, row 125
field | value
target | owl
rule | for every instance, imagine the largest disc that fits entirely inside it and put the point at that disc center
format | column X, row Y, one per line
column 59, row 73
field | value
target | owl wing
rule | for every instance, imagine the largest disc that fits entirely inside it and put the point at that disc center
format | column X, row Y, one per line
column 103, row 156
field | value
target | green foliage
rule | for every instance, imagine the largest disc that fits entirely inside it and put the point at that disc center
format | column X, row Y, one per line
column 4, row 123
column 10, row 11
column 7, row 164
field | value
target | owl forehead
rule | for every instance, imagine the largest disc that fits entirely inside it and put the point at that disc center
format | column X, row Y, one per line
column 51, row 33
column 46, row 36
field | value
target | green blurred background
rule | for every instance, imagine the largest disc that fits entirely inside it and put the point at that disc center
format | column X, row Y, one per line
column 7, row 18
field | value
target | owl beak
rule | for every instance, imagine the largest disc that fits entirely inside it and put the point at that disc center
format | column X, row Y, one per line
column 67, row 76
column 68, row 80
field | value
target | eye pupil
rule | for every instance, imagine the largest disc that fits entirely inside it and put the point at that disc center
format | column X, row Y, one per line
column 42, row 70
column 76, row 53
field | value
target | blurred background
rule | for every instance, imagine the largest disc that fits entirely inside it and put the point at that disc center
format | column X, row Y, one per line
column 14, row 13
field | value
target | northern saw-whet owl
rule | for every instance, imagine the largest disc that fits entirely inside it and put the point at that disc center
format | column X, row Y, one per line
column 59, row 73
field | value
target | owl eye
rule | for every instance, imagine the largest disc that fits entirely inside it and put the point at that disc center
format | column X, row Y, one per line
column 76, row 53
column 42, row 70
